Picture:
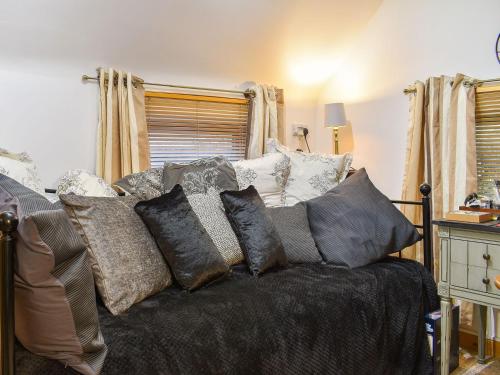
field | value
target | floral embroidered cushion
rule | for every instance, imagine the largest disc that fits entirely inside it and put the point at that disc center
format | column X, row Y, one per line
column 80, row 182
column 268, row 174
column 200, row 175
column 144, row 185
column 312, row 174
column 21, row 168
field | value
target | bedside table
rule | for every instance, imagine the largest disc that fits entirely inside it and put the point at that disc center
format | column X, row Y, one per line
column 470, row 264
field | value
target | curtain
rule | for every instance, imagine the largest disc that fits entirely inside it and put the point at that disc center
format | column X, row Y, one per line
column 266, row 120
column 441, row 150
column 122, row 136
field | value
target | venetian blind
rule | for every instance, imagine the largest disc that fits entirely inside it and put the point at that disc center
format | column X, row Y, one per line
column 487, row 137
column 185, row 127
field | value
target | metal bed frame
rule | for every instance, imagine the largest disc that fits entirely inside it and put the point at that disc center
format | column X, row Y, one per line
column 8, row 230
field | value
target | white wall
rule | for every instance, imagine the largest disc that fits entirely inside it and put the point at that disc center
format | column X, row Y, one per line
column 405, row 41
column 46, row 45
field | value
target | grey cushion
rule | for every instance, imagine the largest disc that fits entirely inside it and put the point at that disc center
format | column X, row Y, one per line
column 293, row 227
column 144, row 185
column 354, row 224
column 126, row 261
column 56, row 313
column 200, row 176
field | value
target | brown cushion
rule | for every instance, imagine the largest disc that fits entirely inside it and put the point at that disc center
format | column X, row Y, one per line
column 126, row 262
column 55, row 303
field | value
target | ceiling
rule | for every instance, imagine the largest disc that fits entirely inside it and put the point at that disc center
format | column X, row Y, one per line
column 276, row 41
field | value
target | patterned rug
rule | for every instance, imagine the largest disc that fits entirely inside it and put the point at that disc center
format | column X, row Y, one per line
column 469, row 366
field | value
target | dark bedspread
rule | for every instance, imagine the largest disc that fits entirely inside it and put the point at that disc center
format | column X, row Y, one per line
column 308, row 319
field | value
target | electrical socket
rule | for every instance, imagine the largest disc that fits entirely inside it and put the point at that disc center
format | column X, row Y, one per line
column 298, row 130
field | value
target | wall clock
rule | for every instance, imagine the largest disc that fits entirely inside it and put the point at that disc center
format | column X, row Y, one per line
column 498, row 48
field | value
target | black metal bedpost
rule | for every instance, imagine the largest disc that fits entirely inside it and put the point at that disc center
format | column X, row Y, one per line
column 425, row 189
column 8, row 225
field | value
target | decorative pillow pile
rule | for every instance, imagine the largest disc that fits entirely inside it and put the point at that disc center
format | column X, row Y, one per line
column 268, row 174
column 189, row 250
column 144, row 185
column 80, row 182
column 126, row 262
column 292, row 225
column 55, row 302
column 354, row 224
column 255, row 230
column 21, row 168
column 202, row 181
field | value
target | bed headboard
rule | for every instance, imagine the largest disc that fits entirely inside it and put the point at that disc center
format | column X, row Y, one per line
column 8, row 227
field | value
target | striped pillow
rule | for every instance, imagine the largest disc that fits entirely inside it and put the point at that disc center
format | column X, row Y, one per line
column 56, row 313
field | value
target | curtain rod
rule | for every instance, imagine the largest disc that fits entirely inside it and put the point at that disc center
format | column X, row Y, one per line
column 247, row 92
column 475, row 82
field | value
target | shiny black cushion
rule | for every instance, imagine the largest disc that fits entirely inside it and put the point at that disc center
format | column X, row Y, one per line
column 184, row 242
column 354, row 224
column 258, row 237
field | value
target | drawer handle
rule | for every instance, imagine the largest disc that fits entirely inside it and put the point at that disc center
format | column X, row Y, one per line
column 486, row 281
column 497, row 281
column 486, row 256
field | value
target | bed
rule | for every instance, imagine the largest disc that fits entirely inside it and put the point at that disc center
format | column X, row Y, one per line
column 307, row 319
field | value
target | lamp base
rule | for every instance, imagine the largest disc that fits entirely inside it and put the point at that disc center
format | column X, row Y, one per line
column 336, row 140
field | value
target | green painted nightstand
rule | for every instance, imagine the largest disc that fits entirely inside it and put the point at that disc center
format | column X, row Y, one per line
column 470, row 263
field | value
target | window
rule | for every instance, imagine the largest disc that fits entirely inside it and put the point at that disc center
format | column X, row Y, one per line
column 487, row 137
column 185, row 127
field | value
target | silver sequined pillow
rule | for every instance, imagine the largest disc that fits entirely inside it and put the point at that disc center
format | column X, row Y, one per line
column 209, row 209
column 126, row 262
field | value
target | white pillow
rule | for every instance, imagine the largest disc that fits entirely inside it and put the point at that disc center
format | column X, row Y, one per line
column 81, row 182
column 268, row 174
column 312, row 175
column 20, row 167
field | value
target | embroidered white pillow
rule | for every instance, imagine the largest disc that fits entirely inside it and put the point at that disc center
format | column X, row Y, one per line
column 268, row 174
column 81, row 182
column 20, row 167
column 312, row 175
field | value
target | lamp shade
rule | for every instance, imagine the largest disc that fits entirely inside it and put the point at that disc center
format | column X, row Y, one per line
column 335, row 115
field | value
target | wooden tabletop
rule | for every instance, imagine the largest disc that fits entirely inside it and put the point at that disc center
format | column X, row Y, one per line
column 488, row 226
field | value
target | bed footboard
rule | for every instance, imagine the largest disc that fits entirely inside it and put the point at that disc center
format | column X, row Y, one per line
column 426, row 226
column 8, row 226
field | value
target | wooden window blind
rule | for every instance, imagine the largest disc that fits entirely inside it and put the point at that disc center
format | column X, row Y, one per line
column 186, row 127
column 488, row 137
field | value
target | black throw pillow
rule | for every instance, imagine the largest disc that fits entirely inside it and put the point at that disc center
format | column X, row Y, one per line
column 258, row 238
column 354, row 224
column 184, row 242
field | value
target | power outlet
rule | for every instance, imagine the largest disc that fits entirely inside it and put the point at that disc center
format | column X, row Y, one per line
column 298, row 130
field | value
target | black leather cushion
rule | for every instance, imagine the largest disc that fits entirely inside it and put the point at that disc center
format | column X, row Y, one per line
column 184, row 242
column 259, row 239
column 354, row 224
column 293, row 227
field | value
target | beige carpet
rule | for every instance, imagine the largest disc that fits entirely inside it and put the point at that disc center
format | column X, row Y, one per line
column 469, row 366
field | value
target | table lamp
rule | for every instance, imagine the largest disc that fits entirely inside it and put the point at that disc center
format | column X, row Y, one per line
column 335, row 118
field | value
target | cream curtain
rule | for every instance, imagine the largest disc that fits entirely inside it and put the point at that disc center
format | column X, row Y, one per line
column 442, row 151
column 122, row 136
column 266, row 120
column 441, row 148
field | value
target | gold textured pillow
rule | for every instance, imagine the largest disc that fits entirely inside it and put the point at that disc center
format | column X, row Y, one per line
column 126, row 262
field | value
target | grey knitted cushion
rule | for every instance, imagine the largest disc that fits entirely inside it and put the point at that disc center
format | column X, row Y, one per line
column 293, row 227
column 354, row 224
